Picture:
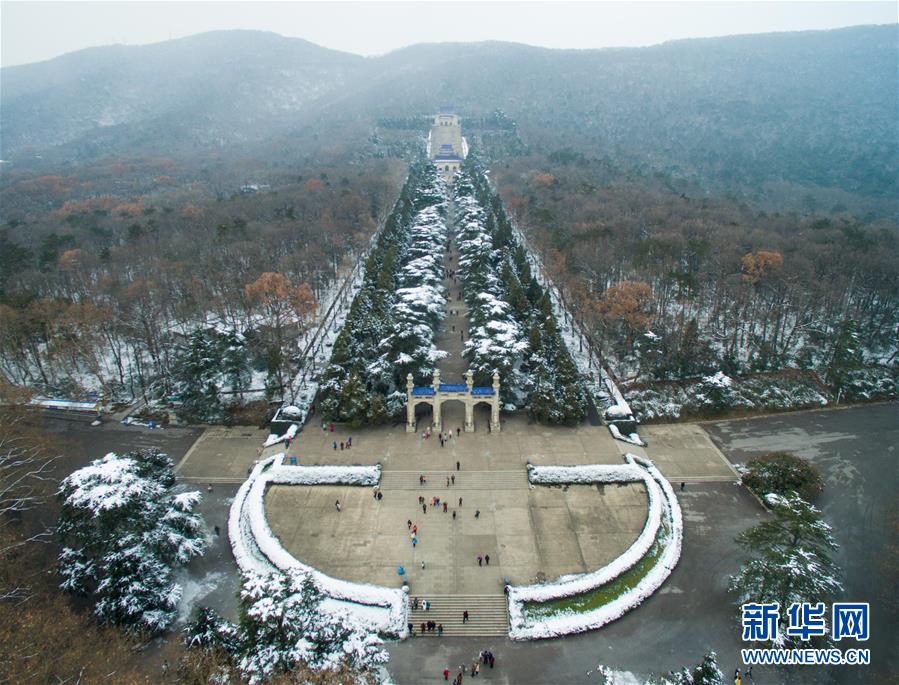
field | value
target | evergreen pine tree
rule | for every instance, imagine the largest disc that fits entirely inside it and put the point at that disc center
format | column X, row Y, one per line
column 123, row 532
column 791, row 559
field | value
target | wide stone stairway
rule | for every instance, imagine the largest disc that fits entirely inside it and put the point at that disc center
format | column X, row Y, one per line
column 487, row 615
column 465, row 480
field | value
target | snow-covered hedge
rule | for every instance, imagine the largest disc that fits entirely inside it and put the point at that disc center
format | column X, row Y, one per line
column 663, row 509
column 672, row 400
column 257, row 549
column 587, row 473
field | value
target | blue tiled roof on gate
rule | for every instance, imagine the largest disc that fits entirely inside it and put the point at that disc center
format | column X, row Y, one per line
column 423, row 390
column 482, row 390
column 453, row 387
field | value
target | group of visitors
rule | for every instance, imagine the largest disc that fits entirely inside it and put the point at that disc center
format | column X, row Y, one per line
column 485, row 657
column 346, row 444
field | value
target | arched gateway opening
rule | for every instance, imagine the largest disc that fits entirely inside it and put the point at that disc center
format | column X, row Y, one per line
column 436, row 394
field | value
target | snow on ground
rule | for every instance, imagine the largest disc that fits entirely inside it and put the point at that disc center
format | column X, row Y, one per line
column 194, row 589
column 274, row 439
column 663, row 506
column 258, row 550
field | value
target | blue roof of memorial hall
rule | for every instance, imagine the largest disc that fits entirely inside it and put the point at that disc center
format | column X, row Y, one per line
column 453, row 387
column 482, row 390
column 423, row 390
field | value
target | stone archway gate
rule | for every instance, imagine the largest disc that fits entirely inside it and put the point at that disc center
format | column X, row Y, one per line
column 437, row 393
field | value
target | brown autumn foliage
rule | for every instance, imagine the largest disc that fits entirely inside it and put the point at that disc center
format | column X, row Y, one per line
column 757, row 265
column 627, row 304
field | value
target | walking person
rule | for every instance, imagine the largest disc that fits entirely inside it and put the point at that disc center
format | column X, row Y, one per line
column 447, row 481
column 217, row 531
column 454, row 514
column 446, row 674
column 458, row 431
column 453, row 479
column 458, row 467
column 439, row 630
column 465, row 616
column 477, row 513
column 480, row 560
column 337, row 505
column 444, row 507
column 424, row 508
column 460, row 501
column 487, row 559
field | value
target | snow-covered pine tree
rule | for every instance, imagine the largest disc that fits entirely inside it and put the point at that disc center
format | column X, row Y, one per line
column 196, row 372
column 235, row 362
column 283, row 626
column 792, row 559
column 706, row 673
column 123, row 531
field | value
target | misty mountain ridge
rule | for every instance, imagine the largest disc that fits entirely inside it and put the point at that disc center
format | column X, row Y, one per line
column 815, row 107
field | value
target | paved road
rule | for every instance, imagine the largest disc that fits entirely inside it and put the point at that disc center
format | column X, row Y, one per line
column 856, row 452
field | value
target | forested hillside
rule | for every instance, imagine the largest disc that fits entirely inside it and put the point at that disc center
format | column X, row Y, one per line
column 799, row 119
column 674, row 287
column 706, row 205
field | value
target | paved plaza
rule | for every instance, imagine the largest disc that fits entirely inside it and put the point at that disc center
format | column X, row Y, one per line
column 528, row 533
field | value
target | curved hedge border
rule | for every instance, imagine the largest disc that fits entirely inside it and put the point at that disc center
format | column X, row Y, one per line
column 659, row 543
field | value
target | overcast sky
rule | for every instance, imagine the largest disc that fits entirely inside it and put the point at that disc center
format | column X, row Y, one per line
column 35, row 31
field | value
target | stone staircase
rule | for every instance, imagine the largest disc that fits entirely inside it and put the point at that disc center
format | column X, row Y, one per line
column 465, row 480
column 487, row 615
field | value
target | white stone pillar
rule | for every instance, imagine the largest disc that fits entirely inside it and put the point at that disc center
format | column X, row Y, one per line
column 436, row 403
column 494, row 406
column 469, row 402
column 410, row 407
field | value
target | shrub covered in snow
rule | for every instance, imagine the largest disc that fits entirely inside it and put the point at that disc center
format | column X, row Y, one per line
column 782, row 473
column 122, row 532
column 672, row 400
column 871, row 383
column 284, row 627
